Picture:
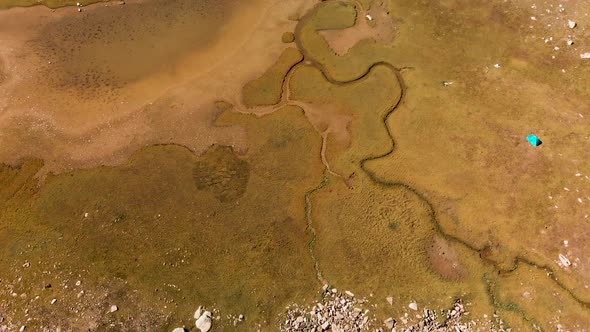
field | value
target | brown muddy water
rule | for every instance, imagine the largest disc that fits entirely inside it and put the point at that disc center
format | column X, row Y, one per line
column 164, row 155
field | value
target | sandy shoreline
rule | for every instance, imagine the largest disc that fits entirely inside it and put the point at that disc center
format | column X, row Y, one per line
column 104, row 123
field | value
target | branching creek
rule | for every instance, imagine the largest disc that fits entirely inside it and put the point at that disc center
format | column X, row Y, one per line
column 490, row 283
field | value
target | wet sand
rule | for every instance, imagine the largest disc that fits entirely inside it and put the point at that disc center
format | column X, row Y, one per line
column 102, row 87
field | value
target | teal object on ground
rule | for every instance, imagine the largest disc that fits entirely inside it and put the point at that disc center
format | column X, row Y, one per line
column 534, row 140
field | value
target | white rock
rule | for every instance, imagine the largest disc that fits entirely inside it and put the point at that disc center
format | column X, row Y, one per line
column 53, row 301
column 114, row 308
column 571, row 24
column 564, row 261
column 389, row 300
column 334, row 290
column 569, row 42
column 349, row 293
column 85, row 214
column 325, row 326
column 22, row 328
column 497, row 65
column 179, row 329
column 241, row 317
column 204, row 322
column 389, row 323
column 79, row 10
column 413, row 306
column 585, row 55
column 198, row 312
column 369, row 17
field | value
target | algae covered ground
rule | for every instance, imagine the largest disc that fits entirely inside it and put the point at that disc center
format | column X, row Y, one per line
column 377, row 147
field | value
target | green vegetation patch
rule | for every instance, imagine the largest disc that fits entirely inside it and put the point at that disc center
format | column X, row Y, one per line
column 334, row 15
column 354, row 64
column 288, row 37
column 267, row 89
column 145, row 234
column 221, row 172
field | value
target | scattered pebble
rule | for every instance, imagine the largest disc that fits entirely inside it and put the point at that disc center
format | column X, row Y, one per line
column 335, row 312
column 413, row 306
column 53, row 301
column 389, row 300
column 585, row 55
column 564, row 261
column 497, row 65
column 114, row 308
column 179, row 329
column 571, row 24
column 369, row 17
column 338, row 313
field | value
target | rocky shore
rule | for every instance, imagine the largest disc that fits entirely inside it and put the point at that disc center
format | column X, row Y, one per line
column 339, row 312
